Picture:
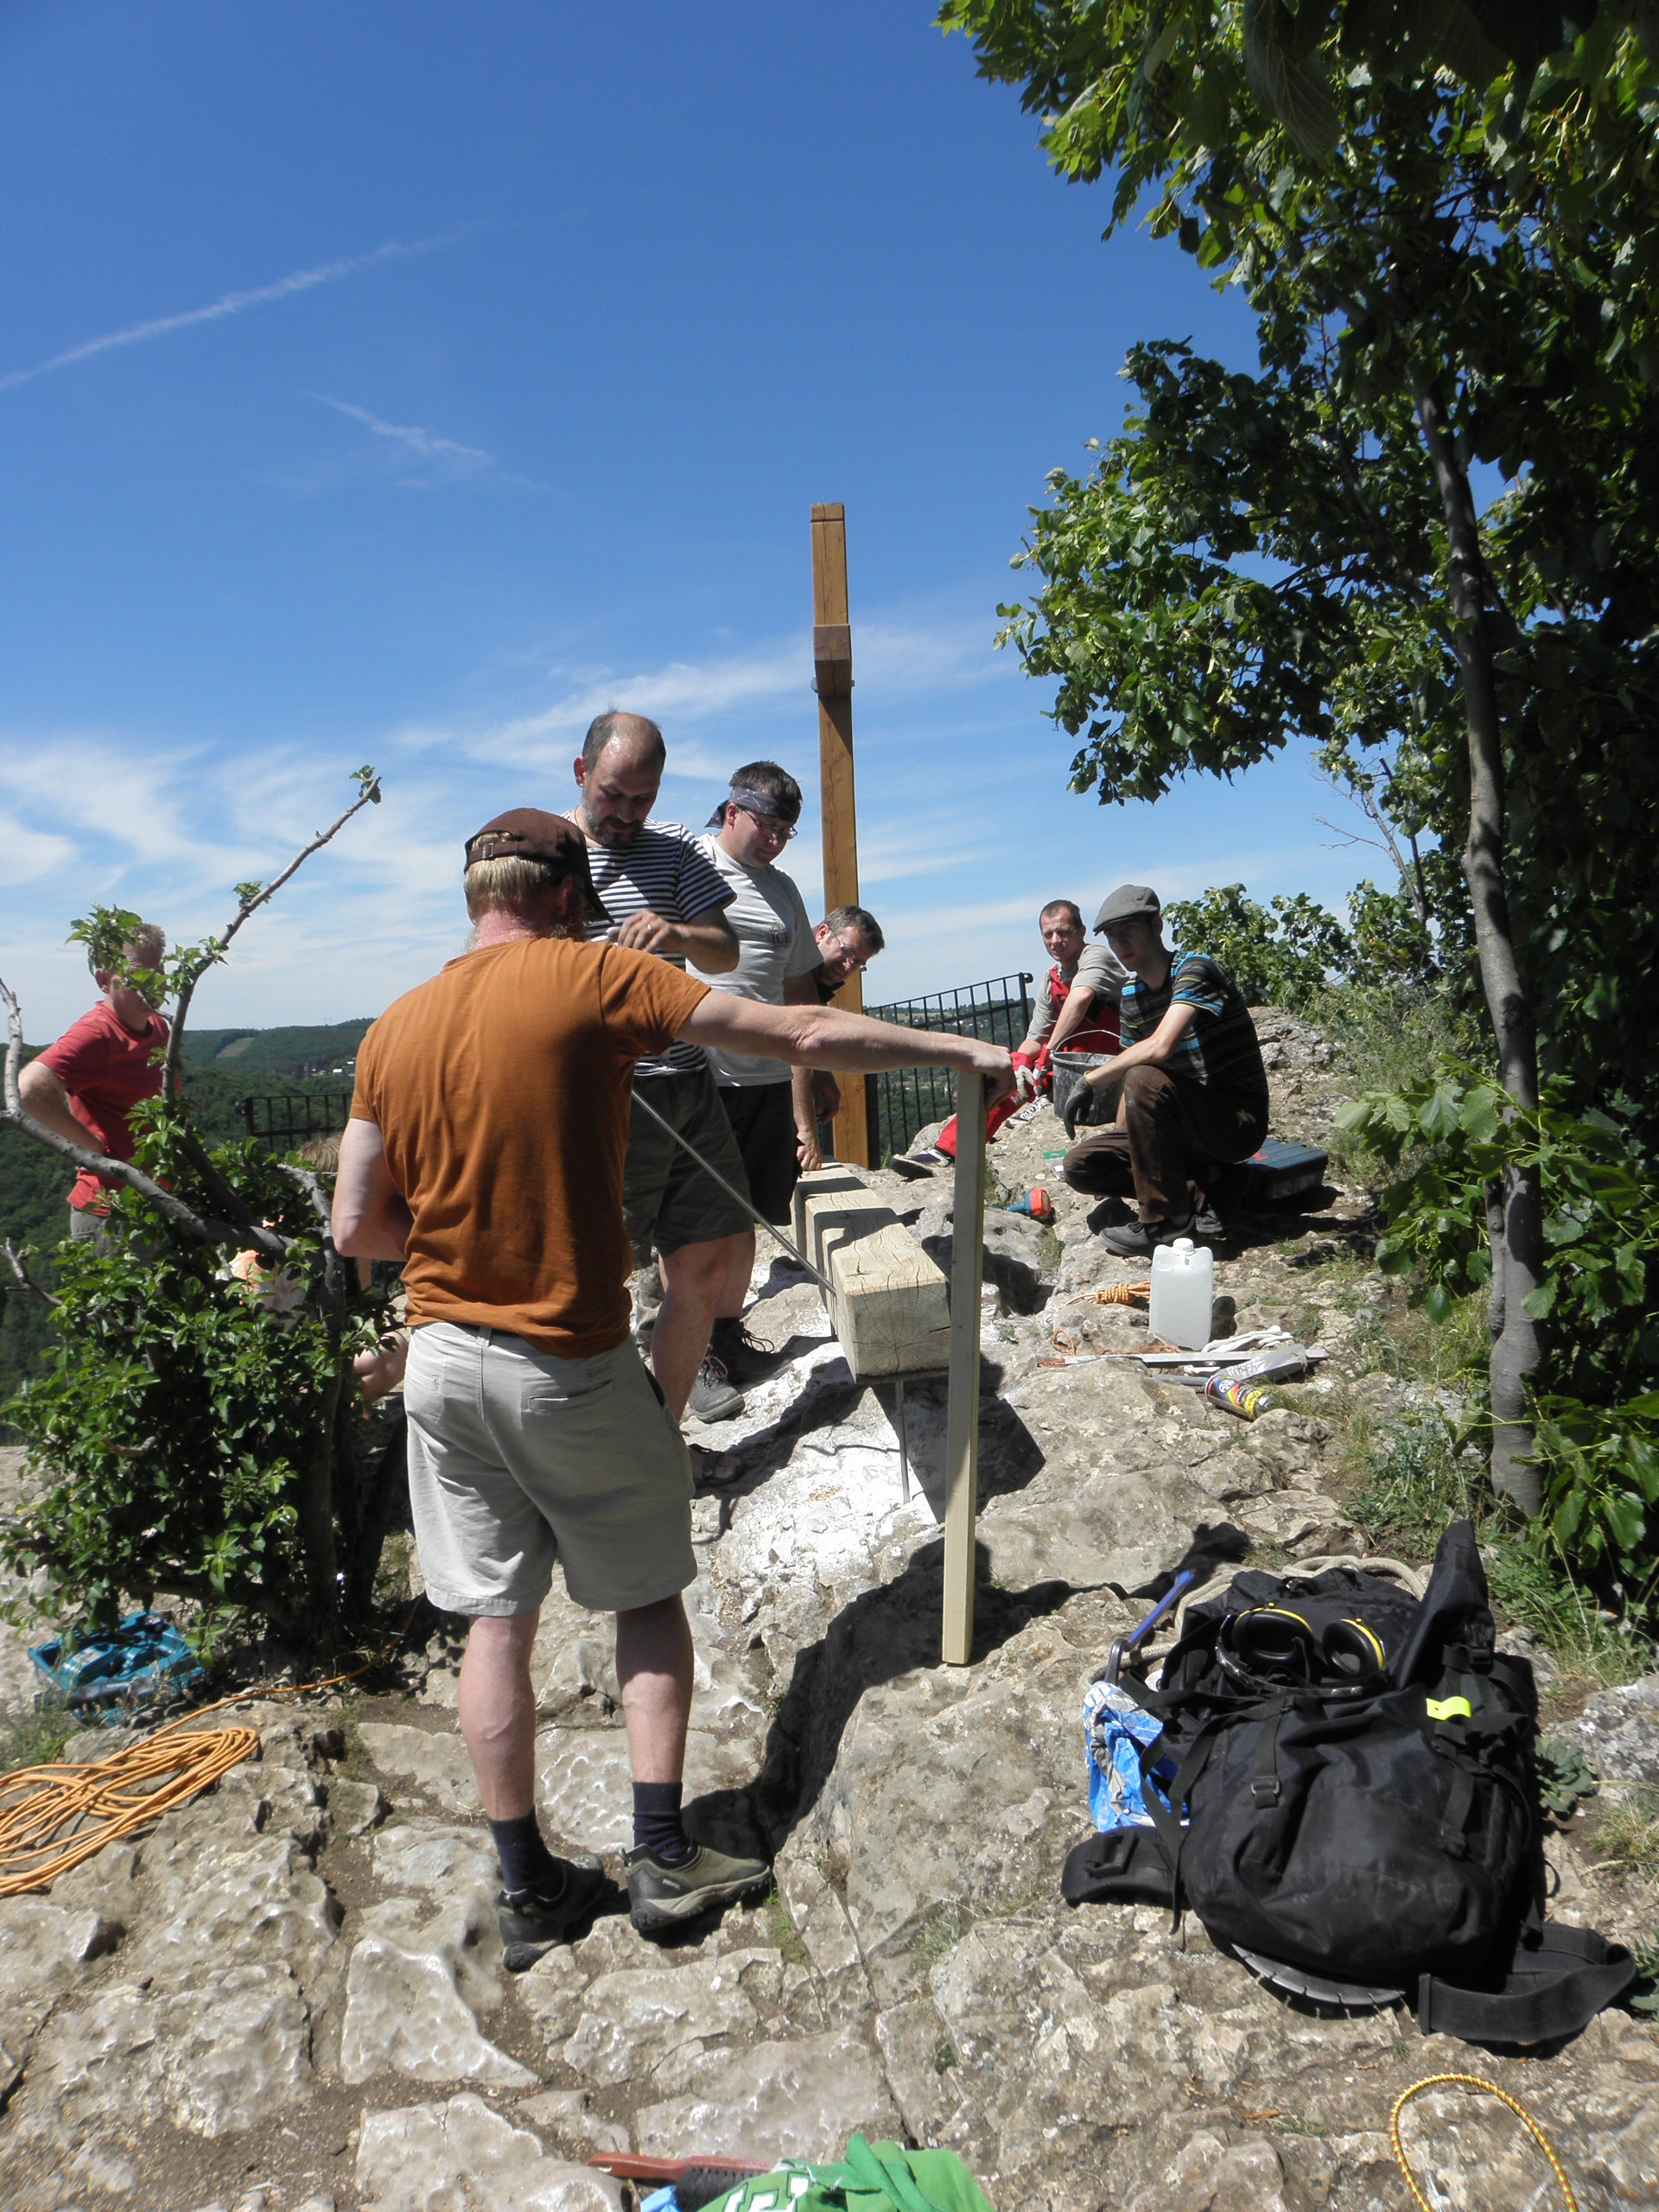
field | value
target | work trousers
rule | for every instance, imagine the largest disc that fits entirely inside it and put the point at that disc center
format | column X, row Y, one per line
column 1176, row 1133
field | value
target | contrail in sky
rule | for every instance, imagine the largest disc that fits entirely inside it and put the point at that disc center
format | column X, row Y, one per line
column 228, row 304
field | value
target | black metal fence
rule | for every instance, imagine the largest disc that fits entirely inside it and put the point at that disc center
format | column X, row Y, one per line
column 900, row 1101
column 294, row 1119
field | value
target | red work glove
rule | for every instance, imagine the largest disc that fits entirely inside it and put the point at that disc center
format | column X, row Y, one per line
column 1026, row 1084
column 1044, row 1070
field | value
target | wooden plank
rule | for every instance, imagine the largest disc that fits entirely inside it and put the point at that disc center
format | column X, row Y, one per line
column 891, row 1304
column 962, row 1421
column 839, row 804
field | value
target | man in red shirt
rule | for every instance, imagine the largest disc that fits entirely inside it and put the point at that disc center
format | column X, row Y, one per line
column 85, row 1086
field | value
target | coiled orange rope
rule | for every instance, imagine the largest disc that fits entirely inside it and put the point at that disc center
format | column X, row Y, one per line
column 53, row 1816
column 1491, row 2089
column 1115, row 1293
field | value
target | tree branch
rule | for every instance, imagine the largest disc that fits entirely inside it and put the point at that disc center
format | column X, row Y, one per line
column 19, row 1269
column 213, row 952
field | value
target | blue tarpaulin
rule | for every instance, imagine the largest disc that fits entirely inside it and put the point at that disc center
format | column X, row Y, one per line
column 144, row 1661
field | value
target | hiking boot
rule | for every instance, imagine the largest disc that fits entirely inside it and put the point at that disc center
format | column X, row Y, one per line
column 1136, row 1240
column 917, row 1166
column 532, row 1921
column 712, row 1396
column 1208, row 1225
column 664, row 1896
column 742, row 1359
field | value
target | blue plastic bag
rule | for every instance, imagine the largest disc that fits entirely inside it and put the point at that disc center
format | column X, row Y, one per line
column 144, row 1661
column 1115, row 1733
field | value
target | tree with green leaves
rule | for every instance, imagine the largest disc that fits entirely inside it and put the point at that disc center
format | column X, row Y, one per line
column 1421, row 536
column 196, row 1430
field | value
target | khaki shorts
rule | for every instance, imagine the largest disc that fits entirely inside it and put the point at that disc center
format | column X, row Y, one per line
column 667, row 1200
column 517, row 1456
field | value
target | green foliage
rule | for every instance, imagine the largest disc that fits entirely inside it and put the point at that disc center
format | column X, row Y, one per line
column 1447, row 1139
column 1278, row 957
column 1566, row 1778
column 1423, row 1473
column 178, row 1417
column 1262, row 558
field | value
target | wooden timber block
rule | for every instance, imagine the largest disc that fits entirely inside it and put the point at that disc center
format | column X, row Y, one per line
column 891, row 1306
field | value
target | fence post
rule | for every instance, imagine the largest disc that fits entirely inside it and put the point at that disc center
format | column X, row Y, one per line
column 962, row 1419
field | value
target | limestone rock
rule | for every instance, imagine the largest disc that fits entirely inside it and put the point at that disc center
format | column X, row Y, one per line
column 462, row 2156
column 1620, row 1729
column 420, row 1973
column 44, row 1948
column 635, row 2020
column 774, row 2100
column 436, row 1761
column 222, row 2055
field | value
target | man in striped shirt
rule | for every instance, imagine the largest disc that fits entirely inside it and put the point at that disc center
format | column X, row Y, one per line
column 665, row 896
column 1192, row 1088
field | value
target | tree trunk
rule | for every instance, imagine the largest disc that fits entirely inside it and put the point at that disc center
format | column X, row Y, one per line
column 1517, row 1233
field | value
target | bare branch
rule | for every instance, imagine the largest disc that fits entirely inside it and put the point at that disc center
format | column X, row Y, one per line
column 19, row 1269
column 334, row 1270
column 1349, row 836
column 369, row 796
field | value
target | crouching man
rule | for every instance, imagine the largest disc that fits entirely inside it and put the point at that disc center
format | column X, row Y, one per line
column 485, row 1148
column 1193, row 1090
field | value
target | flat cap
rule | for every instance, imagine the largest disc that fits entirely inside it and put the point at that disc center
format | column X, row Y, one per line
column 1130, row 902
column 527, row 833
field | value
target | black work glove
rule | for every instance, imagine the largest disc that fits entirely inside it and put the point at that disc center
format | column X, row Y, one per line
column 1077, row 1105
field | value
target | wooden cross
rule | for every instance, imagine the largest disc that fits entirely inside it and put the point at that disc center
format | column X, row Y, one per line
column 832, row 662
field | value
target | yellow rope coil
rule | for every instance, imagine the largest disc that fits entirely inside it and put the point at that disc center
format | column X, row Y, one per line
column 1115, row 1293
column 1491, row 2089
column 52, row 1817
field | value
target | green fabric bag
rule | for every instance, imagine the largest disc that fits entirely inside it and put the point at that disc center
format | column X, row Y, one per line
column 882, row 2178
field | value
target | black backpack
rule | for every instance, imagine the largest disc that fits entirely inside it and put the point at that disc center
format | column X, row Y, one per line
column 1356, row 1767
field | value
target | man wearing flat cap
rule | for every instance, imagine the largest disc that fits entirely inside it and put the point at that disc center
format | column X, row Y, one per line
column 1191, row 1089
column 485, row 1151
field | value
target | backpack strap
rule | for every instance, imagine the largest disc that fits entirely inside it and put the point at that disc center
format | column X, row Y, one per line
column 1558, row 1980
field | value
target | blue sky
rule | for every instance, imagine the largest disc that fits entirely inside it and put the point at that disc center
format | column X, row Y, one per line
column 406, row 384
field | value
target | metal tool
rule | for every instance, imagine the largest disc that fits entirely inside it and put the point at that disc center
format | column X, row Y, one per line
column 759, row 1220
column 1121, row 1646
column 801, row 1260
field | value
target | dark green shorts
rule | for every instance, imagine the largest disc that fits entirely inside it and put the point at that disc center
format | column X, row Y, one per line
column 668, row 1201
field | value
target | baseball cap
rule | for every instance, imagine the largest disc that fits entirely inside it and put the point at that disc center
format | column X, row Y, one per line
column 526, row 833
column 1130, row 902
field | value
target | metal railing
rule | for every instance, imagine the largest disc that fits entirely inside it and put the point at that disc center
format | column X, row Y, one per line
column 292, row 1119
column 900, row 1101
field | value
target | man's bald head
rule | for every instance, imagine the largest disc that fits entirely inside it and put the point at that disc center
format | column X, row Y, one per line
column 617, row 773
column 636, row 740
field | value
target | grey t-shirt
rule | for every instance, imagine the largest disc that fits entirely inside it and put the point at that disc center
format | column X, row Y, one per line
column 775, row 942
column 1098, row 969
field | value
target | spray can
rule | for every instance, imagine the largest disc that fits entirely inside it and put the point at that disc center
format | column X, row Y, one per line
column 1240, row 1396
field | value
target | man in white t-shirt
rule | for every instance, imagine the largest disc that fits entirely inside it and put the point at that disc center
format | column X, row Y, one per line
column 770, row 1110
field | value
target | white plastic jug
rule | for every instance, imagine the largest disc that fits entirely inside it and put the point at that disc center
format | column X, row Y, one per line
column 1183, row 1294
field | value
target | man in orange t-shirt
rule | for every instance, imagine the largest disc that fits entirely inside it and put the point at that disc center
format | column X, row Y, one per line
column 486, row 1150
column 85, row 1086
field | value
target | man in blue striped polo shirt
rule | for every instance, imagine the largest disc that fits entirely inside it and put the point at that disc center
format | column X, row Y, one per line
column 1192, row 1089
column 667, row 897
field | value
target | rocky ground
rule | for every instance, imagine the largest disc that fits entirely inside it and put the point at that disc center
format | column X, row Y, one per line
column 289, row 1994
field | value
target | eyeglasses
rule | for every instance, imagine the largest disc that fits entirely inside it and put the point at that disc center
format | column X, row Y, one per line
column 855, row 965
column 770, row 825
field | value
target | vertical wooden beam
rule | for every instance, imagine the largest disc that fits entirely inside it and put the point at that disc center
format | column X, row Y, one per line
column 961, row 1420
column 832, row 661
